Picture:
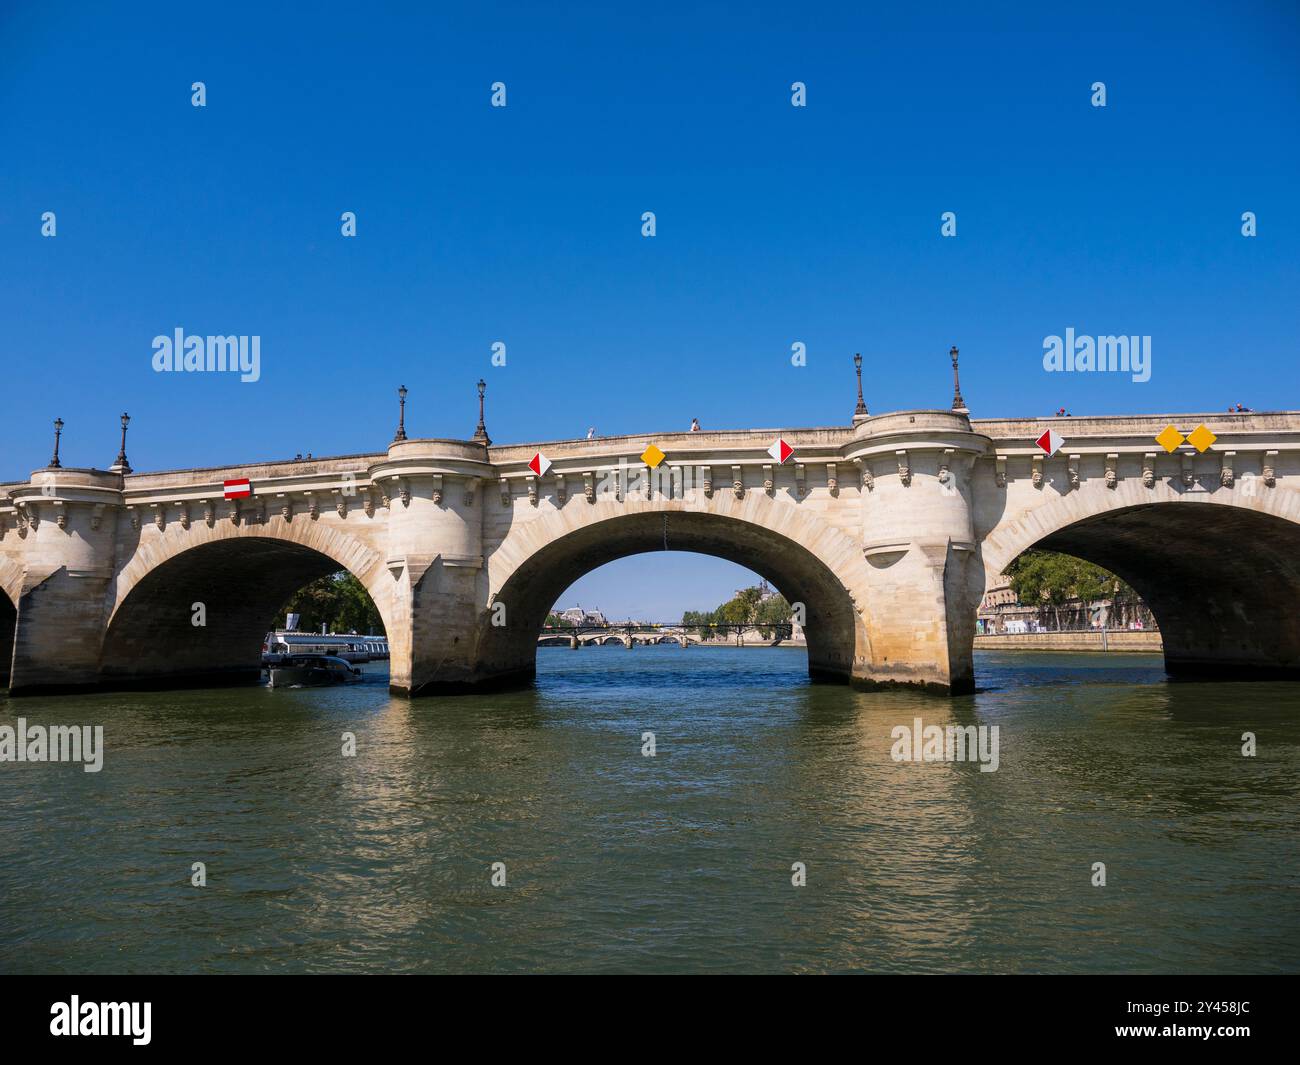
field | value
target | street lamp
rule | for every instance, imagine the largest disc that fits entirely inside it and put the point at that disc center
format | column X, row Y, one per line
column 480, row 431
column 860, row 411
column 121, row 465
column 401, row 415
column 58, row 432
column 958, row 404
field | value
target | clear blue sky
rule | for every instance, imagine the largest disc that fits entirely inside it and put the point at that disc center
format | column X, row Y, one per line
column 775, row 224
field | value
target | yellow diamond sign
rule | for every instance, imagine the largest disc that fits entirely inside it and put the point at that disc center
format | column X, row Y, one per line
column 1170, row 438
column 1201, row 438
column 652, row 456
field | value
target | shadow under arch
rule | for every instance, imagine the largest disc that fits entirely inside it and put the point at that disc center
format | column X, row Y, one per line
column 8, row 626
column 11, row 584
column 1223, row 582
column 152, row 640
column 832, row 628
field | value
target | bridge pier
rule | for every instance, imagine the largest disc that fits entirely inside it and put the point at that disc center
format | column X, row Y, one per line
column 438, row 652
column 57, row 636
column 70, row 517
column 435, row 554
column 921, row 619
column 925, row 580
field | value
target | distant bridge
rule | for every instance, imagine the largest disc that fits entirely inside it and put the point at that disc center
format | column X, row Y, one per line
column 666, row 632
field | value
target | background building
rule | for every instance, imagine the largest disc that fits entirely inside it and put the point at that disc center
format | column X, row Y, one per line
column 576, row 615
column 1002, row 612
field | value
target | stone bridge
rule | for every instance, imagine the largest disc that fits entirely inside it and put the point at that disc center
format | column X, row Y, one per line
column 887, row 530
column 629, row 635
column 624, row 636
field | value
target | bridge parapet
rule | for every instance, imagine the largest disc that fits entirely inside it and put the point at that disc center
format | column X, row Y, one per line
column 730, row 441
column 1138, row 426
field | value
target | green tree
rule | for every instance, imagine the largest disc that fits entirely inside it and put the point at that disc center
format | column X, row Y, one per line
column 773, row 617
column 339, row 602
column 735, row 611
column 746, row 607
column 702, row 621
column 1053, row 580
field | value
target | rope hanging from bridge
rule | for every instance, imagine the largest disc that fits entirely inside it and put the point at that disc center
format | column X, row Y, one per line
column 665, row 531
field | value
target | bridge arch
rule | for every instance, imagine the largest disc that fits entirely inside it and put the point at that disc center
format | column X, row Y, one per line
column 1220, row 571
column 242, row 575
column 804, row 558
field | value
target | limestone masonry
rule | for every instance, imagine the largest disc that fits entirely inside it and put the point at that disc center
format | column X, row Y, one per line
column 887, row 531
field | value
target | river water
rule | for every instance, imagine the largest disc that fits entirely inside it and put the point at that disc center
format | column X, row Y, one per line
column 615, row 861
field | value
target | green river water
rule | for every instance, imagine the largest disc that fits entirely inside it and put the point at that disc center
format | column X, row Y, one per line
column 680, row 862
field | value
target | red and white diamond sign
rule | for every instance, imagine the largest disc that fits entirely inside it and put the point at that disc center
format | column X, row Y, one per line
column 780, row 450
column 239, row 489
column 539, row 464
column 1051, row 442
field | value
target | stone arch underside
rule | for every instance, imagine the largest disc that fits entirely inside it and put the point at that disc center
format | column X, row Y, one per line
column 241, row 581
column 1222, row 581
column 833, row 627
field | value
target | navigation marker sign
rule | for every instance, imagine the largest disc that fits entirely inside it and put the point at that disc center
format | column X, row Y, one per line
column 539, row 464
column 1201, row 438
column 238, row 489
column 1170, row 439
column 1051, row 442
column 780, row 450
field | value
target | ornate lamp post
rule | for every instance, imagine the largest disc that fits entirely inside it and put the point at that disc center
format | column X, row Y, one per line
column 958, row 404
column 58, row 432
column 860, row 411
column 121, row 465
column 401, row 415
column 480, row 431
